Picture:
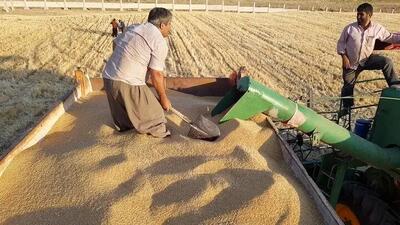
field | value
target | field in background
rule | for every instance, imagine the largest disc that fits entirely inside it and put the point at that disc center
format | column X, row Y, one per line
column 294, row 53
column 334, row 5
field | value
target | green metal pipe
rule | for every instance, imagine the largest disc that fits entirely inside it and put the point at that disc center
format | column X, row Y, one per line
column 258, row 98
column 338, row 183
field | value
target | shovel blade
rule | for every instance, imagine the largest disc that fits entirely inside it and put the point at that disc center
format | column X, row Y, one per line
column 211, row 130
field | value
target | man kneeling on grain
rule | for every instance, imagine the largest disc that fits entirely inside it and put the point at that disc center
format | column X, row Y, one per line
column 140, row 50
column 355, row 45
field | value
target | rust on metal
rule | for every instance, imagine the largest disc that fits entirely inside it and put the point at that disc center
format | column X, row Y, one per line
column 195, row 86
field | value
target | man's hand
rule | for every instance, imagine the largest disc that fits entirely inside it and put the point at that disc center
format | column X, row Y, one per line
column 165, row 103
column 345, row 62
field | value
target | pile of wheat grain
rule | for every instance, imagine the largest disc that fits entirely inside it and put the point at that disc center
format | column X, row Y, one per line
column 84, row 172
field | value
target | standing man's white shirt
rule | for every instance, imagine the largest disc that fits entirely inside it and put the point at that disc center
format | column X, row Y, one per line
column 139, row 48
column 358, row 44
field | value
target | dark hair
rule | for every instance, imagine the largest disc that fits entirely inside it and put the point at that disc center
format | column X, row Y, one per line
column 159, row 15
column 365, row 7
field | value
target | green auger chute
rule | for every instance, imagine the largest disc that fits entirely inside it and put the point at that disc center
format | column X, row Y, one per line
column 251, row 97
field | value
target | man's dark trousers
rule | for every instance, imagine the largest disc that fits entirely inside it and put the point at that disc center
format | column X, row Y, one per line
column 374, row 62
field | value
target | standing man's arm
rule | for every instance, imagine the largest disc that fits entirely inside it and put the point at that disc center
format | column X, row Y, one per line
column 157, row 78
column 341, row 48
column 385, row 36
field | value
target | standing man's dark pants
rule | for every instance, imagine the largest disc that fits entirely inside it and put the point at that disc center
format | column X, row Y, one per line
column 114, row 32
column 374, row 62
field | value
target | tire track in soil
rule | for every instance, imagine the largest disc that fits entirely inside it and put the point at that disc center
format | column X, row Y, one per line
column 244, row 48
column 210, row 50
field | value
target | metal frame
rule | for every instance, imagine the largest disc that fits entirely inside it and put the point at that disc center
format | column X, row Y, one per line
column 303, row 147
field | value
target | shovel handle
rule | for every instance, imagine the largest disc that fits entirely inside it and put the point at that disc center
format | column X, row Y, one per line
column 185, row 118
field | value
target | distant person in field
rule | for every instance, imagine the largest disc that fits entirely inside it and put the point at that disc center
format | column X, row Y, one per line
column 141, row 50
column 121, row 26
column 355, row 46
column 114, row 25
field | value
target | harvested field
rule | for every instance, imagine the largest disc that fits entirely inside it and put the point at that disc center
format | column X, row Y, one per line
column 294, row 53
column 106, row 177
column 333, row 5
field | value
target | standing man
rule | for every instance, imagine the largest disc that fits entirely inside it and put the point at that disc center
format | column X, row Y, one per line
column 114, row 25
column 355, row 46
column 121, row 26
column 141, row 49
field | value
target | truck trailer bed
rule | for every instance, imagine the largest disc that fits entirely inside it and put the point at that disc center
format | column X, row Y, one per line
column 85, row 172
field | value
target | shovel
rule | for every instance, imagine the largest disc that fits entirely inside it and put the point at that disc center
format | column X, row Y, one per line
column 202, row 128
